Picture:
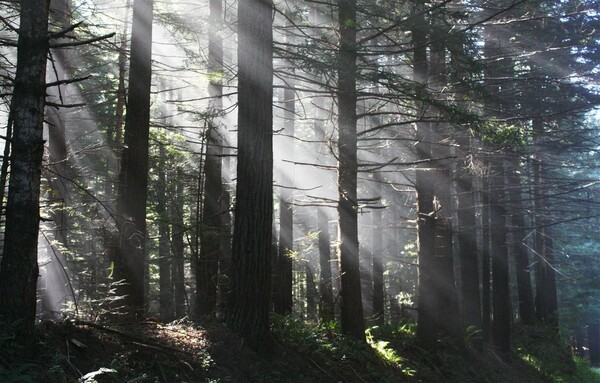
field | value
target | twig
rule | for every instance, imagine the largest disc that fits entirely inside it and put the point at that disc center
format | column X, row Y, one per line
column 356, row 373
column 68, row 81
column 83, row 42
column 63, row 32
column 321, row 368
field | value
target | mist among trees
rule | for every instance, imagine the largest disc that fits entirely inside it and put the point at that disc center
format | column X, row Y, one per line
column 364, row 190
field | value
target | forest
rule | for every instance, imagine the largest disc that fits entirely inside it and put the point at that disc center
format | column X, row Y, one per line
column 299, row 191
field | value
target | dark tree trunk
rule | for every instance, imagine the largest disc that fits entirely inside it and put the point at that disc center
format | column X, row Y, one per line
column 486, row 291
column 283, row 303
column 366, row 280
column 210, row 246
column 311, row 295
column 19, row 268
column 446, row 294
column 395, row 283
column 525, row 292
column 225, row 260
column 501, row 307
column 437, row 291
column 57, row 172
column 251, row 250
column 446, row 302
column 326, row 311
column 210, row 236
column 378, row 268
column 352, row 309
column 467, row 244
column 546, row 299
column 164, row 240
column 427, row 321
column 114, row 134
column 60, row 13
column 133, row 176
column 177, row 247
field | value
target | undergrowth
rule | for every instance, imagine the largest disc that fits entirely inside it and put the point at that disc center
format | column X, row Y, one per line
column 545, row 351
column 303, row 353
column 344, row 358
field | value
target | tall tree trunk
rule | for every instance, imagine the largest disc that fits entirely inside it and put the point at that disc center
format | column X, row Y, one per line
column 467, row 243
column 366, row 280
column 210, row 246
column 251, row 250
column 437, row 291
column 326, row 311
column 114, row 134
column 326, row 263
column 378, row 268
column 311, row 295
column 352, row 309
column 501, row 307
column 486, row 291
column 524, row 290
column 446, row 294
column 177, row 247
column 60, row 12
column 210, row 251
column 427, row 323
column 466, row 214
column 164, row 240
column 546, row 300
column 19, row 267
column 395, row 274
column 133, row 176
column 283, row 303
column 57, row 172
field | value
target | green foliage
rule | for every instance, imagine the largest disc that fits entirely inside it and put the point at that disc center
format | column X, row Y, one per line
column 473, row 337
column 510, row 137
column 546, row 352
column 388, row 354
column 28, row 365
column 342, row 356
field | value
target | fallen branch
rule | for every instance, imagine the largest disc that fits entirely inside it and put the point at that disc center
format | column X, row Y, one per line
column 136, row 339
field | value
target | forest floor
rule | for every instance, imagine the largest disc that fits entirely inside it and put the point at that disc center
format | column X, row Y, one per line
column 87, row 352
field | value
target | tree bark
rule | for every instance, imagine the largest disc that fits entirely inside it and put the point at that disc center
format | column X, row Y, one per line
column 283, row 303
column 211, row 250
column 251, row 249
column 164, row 239
column 133, row 176
column 311, row 295
column 467, row 243
column 378, row 268
column 427, row 323
column 326, row 311
column 352, row 309
column 501, row 308
column 19, row 267
column 546, row 299
column 177, row 247
column 486, row 291
column 524, row 290
column 443, row 262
